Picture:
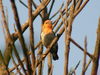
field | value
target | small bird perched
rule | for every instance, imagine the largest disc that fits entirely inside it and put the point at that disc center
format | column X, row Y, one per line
column 47, row 36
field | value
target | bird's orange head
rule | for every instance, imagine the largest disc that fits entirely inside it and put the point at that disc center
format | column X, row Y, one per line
column 47, row 26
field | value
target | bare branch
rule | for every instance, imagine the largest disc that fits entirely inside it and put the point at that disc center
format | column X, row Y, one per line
column 40, row 67
column 3, row 66
column 15, row 65
column 51, row 7
column 35, row 6
column 49, row 64
column 23, row 3
column 84, row 62
column 68, row 30
column 79, row 10
column 87, row 65
column 96, row 52
column 73, row 70
column 66, row 48
column 82, row 49
column 57, row 11
column 8, row 49
column 31, row 35
column 79, row 3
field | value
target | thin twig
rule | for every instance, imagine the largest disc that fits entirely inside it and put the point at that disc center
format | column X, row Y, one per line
column 49, row 64
column 84, row 62
column 57, row 12
column 23, row 3
column 82, row 49
column 18, row 71
column 79, row 10
column 79, row 3
column 87, row 65
column 51, row 7
column 73, row 70
column 34, row 4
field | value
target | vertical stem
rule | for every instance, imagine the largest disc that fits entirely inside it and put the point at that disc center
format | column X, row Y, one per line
column 49, row 64
column 66, row 45
column 40, row 51
column 96, row 52
column 31, row 34
column 40, row 67
column 67, row 40
column 84, row 62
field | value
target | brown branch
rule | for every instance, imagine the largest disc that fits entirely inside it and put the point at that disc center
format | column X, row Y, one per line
column 66, row 53
column 68, row 30
column 40, row 67
column 49, row 64
column 82, row 49
column 84, row 62
column 51, row 7
column 3, row 66
column 31, row 29
column 34, row 4
column 18, row 58
column 87, row 65
column 73, row 70
column 23, row 3
column 79, row 10
column 79, row 3
column 8, row 49
column 4, row 19
column 11, row 44
column 51, row 71
column 21, row 38
column 59, row 26
column 57, row 12
column 15, row 65
column 96, row 52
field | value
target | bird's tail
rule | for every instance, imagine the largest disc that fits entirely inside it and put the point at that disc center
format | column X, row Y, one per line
column 55, row 56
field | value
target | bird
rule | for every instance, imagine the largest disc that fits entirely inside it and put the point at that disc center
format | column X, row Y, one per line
column 47, row 36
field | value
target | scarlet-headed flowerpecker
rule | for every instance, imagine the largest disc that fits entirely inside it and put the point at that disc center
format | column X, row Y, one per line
column 47, row 36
